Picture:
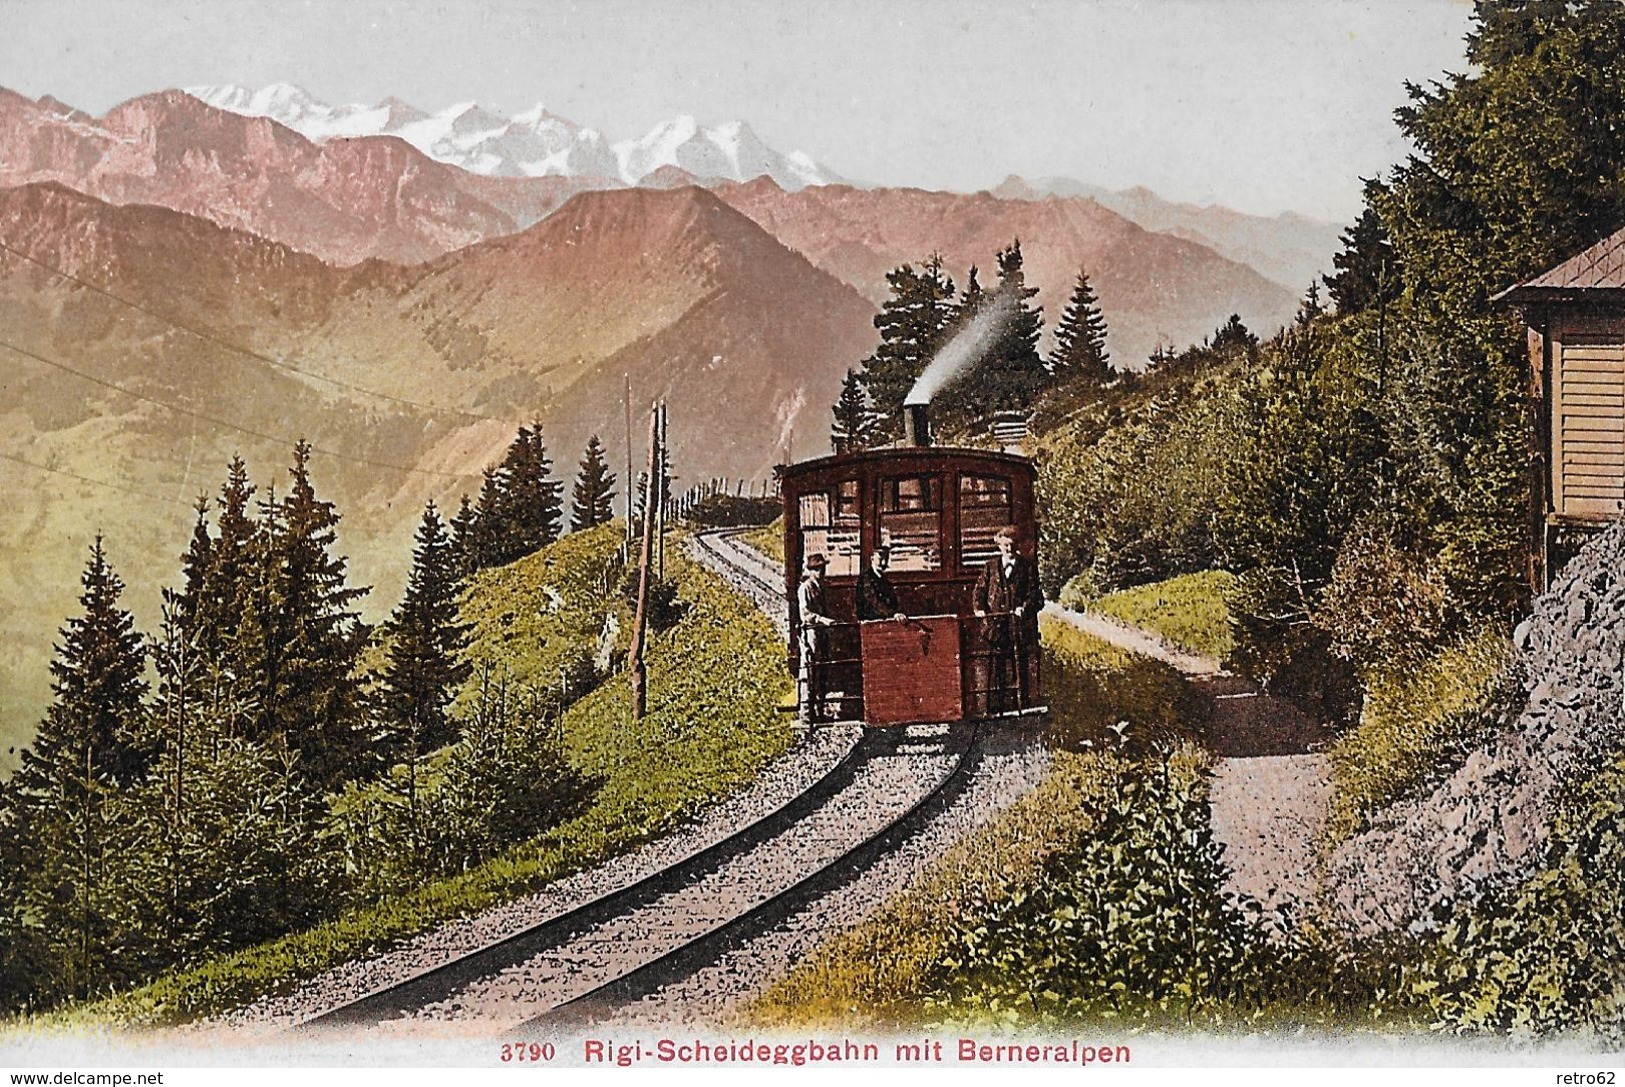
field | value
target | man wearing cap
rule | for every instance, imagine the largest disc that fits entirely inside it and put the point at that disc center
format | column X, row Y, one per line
column 877, row 596
column 814, row 614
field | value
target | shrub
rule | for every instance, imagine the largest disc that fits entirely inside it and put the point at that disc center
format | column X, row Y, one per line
column 1382, row 600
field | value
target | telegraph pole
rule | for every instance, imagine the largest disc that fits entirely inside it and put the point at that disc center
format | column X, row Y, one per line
column 631, row 476
column 665, row 473
column 640, row 679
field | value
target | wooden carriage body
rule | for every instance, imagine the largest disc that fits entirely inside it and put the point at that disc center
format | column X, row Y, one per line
column 938, row 509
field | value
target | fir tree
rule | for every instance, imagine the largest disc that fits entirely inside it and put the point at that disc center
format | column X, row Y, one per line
column 1233, row 337
column 1080, row 339
column 529, row 512
column 464, row 532
column 971, row 298
column 913, row 323
column 854, row 425
column 96, row 719
column 65, row 809
column 312, row 640
column 1013, row 373
column 490, row 513
column 592, row 502
column 1368, row 273
column 425, row 643
column 221, row 573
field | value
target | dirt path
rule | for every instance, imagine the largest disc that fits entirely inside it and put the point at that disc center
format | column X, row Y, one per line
column 1270, row 784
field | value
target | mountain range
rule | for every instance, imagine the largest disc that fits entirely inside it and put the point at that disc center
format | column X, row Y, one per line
column 535, row 143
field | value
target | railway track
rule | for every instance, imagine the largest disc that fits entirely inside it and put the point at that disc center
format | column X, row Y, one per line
column 618, row 948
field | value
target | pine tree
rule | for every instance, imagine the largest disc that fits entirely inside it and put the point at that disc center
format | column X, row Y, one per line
column 1080, row 339
column 464, row 532
column 220, row 573
column 1013, row 373
column 971, row 298
column 65, row 806
column 425, row 642
column 311, row 694
column 1368, row 273
column 529, row 512
column 854, row 425
column 490, row 514
column 1233, row 337
column 1309, row 307
column 96, row 718
column 592, row 502
column 913, row 323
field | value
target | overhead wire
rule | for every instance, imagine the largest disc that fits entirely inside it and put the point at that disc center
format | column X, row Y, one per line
column 87, row 479
column 280, row 363
column 219, row 341
column 215, row 421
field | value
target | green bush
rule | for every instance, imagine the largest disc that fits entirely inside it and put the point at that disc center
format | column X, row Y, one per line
column 1420, row 721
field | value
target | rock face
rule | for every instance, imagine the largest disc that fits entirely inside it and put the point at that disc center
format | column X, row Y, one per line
column 1489, row 822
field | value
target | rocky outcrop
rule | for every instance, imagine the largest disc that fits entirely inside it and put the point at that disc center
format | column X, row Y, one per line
column 1489, row 822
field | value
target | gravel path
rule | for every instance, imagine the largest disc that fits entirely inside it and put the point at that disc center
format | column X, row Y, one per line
column 1270, row 785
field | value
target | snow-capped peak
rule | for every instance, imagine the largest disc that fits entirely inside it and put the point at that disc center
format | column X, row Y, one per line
column 533, row 143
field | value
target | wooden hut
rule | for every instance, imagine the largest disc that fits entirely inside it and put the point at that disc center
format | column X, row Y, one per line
column 1575, row 315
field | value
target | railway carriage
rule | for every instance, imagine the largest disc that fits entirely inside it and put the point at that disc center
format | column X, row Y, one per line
column 939, row 510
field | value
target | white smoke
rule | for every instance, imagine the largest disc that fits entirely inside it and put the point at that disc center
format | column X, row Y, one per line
column 967, row 347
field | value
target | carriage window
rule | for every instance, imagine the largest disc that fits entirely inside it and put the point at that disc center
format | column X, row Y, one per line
column 829, row 523
column 984, row 508
column 911, row 520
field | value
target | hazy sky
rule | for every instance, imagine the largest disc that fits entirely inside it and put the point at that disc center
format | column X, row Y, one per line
column 1260, row 105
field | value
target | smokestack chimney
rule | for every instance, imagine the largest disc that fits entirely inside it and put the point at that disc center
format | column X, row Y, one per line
column 916, row 425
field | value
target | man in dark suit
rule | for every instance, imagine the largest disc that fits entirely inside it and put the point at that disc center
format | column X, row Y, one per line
column 1008, row 598
column 877, row 596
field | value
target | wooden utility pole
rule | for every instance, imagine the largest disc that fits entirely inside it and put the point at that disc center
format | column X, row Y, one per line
column 640, row 679
column 631, row 477
column 665, row 474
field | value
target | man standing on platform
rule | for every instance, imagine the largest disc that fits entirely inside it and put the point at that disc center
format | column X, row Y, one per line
column 1008, row 598
column 877, row 596
column 814, row 616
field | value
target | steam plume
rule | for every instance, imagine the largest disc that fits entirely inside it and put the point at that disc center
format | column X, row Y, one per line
column 967, row 347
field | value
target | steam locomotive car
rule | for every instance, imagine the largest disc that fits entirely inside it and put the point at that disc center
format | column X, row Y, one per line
column 937, row 511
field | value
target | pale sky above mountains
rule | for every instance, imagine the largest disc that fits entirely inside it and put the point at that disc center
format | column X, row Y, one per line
column 1261, row 105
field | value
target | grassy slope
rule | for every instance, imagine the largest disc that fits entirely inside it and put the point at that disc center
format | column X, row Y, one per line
column 769, row 540
column 714, row 680
column 1188, row 611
